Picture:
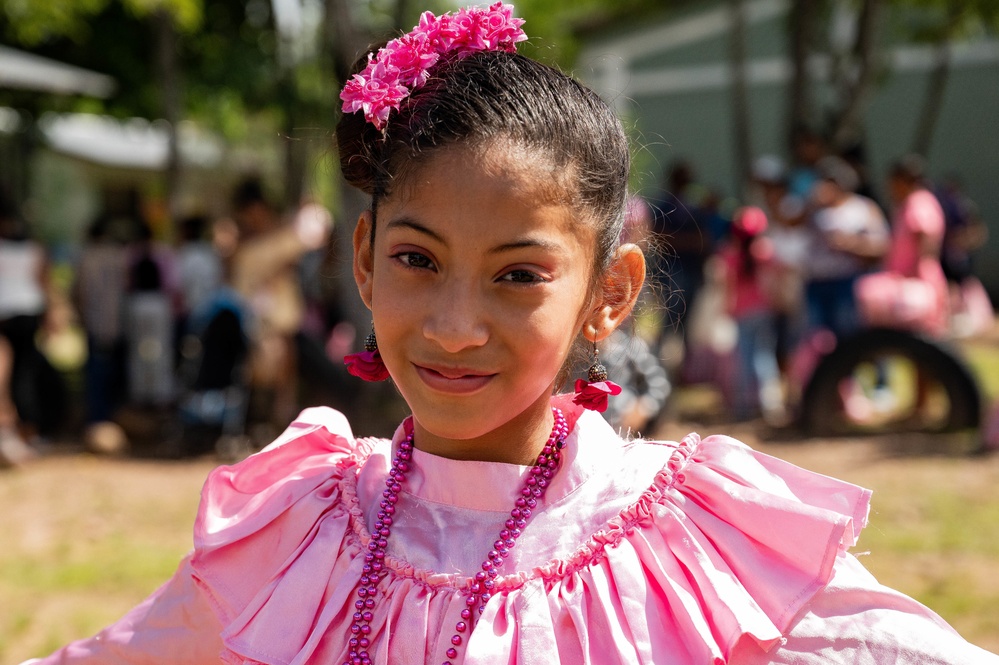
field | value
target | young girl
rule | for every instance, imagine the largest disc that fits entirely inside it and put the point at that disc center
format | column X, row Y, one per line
column 504, row 523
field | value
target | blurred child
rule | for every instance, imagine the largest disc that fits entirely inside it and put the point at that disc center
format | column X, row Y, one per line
column 748, row 274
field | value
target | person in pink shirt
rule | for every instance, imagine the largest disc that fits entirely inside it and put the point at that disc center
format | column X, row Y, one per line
column 918, row 228
column 911, row 292
column 506, row 521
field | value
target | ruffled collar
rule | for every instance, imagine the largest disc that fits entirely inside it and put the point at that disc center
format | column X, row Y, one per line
column 494, row 486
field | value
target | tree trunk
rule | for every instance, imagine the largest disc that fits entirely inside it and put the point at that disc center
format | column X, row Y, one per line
column 922, row 140
column 936, row 87
column 740, row 95
column 847, row 129
column 345, row 41
column 803, row 22
column 171, row 99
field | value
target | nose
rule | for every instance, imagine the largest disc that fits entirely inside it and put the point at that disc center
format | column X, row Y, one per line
column 457, row 319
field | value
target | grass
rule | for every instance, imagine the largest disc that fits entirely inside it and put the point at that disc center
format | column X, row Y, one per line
column 91, row 538
column 983, row 357
column 934, row 535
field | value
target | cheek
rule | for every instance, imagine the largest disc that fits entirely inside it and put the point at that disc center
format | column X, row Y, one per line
column 550, row 331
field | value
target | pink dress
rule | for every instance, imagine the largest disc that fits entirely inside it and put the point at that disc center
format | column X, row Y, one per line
column 687, row 553
column 747, row 295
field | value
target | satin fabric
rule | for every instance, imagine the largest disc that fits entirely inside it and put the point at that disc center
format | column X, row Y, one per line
column 643, row 552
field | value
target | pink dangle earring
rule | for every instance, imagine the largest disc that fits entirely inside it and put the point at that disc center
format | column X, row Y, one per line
column 593, row 394
column 367, row 364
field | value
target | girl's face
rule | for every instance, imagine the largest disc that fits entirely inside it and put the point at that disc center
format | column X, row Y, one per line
column 478, row 282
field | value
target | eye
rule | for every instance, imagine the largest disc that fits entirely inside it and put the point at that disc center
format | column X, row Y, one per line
column 521, row 276
column 414, row 260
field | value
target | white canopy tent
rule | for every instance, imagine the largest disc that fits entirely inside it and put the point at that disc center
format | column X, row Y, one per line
column 27, row 71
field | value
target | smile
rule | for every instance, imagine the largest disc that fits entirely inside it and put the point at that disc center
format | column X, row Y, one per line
column 453, row 380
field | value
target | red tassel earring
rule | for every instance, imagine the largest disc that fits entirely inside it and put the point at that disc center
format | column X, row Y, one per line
column 367, row 364
column 593, row 394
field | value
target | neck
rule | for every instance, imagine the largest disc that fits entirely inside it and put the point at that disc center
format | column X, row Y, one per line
column 518, row 441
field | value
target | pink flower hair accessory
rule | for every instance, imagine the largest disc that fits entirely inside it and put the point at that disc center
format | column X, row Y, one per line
column 404, row 64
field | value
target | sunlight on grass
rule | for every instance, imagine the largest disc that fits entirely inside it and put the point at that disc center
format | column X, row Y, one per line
column 984, row 360
column 112, row 565
column 81, row 558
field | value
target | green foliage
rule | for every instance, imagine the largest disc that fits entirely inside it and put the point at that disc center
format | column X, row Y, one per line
column 36, row 22
column 942, row 20
column 186, row 14
column 555, row 26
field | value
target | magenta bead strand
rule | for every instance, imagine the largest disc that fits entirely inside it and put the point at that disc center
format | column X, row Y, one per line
column 537, row 481
column 481, row 585
column 360, row 628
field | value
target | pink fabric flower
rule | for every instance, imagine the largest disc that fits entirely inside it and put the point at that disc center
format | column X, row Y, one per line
column 376, row 91
column 499, row 30
column 366, row 365
column 413, row 55
column 594, row 396
column 404, row 63
column 464, row 25
column 439, row 31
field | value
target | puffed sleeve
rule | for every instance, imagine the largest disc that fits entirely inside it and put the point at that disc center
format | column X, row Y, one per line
column 173, row 625
column 856, row 620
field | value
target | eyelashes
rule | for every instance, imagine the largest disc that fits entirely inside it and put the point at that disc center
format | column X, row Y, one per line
column 417, row 261
column 522, row 276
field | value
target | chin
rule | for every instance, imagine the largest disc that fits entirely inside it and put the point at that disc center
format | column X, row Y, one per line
column 457, row 424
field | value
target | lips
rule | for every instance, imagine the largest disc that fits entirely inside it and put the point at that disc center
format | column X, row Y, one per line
column 453, row 380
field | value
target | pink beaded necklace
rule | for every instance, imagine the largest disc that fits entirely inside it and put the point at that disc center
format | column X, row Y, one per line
column 481, row 585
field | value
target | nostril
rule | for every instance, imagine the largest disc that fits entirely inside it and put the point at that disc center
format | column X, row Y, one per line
column 453, row 335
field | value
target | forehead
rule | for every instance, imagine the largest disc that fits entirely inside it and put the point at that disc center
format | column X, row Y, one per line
column 479, row 198
column 528, row 174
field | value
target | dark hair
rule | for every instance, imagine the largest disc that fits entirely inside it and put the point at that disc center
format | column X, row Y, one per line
column 493, row 95
column 248, row 192
column 910, row 168
column 838, row 170
column 192, row 228
column 12, row 224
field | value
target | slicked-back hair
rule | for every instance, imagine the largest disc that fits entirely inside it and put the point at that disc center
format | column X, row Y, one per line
column 492, row 96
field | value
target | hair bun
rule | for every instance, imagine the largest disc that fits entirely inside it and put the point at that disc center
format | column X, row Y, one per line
column 354, row 142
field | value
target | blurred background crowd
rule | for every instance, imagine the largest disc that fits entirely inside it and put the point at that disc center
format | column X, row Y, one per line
column 174, row 237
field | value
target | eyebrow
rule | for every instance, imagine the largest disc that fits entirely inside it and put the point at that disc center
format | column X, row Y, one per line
column 409, row 223
column 406, row 222
column 526, row 243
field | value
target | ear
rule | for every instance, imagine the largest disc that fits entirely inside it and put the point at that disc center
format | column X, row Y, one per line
column 364, row 256
column 617, row 294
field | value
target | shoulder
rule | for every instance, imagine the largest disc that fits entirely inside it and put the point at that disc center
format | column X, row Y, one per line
column 924, row 204
column 318, row 446
column 256, row 514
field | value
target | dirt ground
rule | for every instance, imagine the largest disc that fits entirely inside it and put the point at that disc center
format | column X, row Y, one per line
column 87, row 537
